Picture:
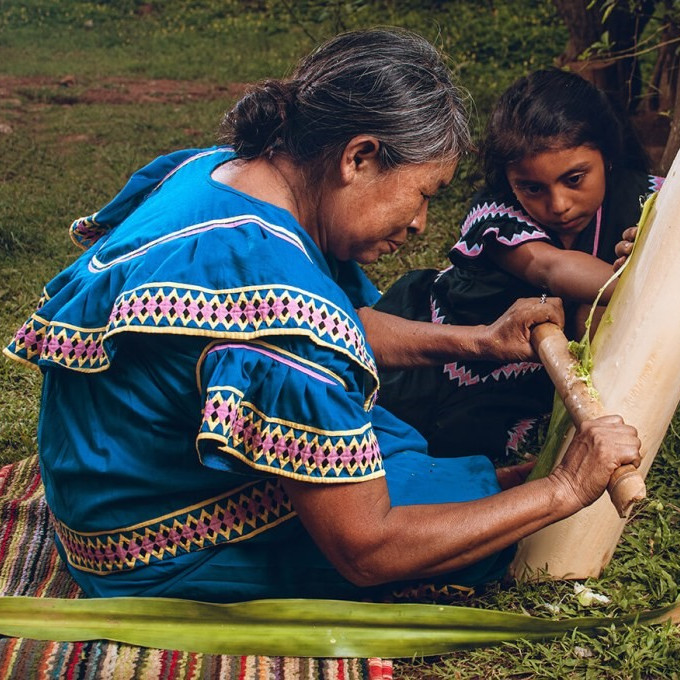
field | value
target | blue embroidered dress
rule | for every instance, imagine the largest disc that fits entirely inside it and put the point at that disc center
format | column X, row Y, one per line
column 488, row 407
column 201, row 349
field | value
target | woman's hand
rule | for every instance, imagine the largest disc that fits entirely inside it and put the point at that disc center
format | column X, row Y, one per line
column 508, row 338
column 624, row 247
column 401, row 343
column 598, row 448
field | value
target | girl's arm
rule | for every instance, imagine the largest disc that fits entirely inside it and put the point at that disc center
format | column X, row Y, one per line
column 568, row 274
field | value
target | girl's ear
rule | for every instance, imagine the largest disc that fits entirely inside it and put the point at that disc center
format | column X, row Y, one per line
column 359, row 158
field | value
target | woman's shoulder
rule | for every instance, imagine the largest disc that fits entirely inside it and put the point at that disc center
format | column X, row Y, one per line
column 85, row 231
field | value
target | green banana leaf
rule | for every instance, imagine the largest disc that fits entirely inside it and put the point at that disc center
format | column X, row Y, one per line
column 295, row 627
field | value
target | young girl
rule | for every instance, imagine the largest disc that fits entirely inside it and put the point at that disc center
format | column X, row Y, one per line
column 565, row 177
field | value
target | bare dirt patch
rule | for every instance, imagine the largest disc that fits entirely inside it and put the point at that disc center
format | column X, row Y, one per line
column 20, row 97
column 21, row 93
column 70, row 90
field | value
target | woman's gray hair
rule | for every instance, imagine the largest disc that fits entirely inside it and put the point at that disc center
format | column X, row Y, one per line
column 388, row 83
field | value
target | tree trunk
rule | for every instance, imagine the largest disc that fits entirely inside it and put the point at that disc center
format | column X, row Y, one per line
column 583, row 24
column 661, row 91
column 620, row 77
column 664, row 89
column 673, row 143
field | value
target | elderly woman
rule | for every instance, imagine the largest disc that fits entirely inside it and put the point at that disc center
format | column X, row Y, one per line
column 208, row 425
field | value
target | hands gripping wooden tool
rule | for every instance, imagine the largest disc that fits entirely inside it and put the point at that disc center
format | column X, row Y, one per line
column 626, row 486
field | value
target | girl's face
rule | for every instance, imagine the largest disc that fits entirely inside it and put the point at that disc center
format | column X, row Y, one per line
column 560, row 188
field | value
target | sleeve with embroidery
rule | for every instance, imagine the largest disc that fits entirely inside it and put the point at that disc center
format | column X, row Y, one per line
column 269, row 411
column 492, row 220
column 88, row 230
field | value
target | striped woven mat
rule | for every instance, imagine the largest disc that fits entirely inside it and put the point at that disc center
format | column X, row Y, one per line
column 29, row 566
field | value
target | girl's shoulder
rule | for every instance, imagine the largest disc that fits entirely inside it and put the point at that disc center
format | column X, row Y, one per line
column 627, row 181
column 627, row 191
column 493, row 218
column 654, row 183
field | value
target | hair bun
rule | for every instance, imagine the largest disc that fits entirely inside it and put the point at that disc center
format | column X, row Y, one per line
column 258, row 120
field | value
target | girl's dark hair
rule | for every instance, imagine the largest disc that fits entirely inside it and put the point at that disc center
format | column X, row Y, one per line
column 554, row 109
column 389, row 83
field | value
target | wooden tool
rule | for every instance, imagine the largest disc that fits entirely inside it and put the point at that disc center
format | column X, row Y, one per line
column 626, row 485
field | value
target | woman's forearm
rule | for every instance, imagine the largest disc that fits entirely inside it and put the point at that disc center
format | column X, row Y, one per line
column 401, row 343
column 370, row 542
column 374, row 543
column 430, row 540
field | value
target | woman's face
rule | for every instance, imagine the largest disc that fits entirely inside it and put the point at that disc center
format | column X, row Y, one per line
column 560, row 188
column 372, row 211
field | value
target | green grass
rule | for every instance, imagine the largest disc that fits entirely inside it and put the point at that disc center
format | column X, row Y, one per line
column 65, row 158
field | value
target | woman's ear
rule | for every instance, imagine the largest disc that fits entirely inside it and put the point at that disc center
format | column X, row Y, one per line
column 359, row 158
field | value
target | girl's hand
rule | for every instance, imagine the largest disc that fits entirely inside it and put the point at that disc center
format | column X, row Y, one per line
column 624, row 247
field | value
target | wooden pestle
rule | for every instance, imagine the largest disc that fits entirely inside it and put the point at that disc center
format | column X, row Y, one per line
column 626, row 485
